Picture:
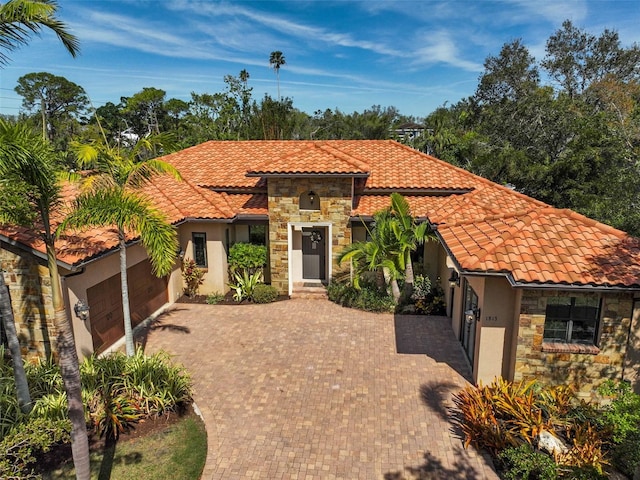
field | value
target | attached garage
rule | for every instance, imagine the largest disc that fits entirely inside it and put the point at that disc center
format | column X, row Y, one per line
column 147, row 293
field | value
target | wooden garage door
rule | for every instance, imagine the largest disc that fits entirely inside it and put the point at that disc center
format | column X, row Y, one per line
column 147, row 293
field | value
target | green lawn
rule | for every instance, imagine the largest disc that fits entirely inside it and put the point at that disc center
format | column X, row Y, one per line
column 178, row 452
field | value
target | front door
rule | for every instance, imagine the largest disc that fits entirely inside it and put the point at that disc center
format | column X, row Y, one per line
column 313, row 254
column 469, row 320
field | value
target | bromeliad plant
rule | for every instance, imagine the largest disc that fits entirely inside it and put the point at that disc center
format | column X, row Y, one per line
column 505, row 415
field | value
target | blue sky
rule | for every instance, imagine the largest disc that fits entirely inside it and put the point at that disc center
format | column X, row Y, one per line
column 346, row 54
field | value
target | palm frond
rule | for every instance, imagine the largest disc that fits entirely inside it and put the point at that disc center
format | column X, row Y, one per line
column 20, row 19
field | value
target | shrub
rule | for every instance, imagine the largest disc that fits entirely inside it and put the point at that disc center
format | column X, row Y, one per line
column 524, row 462
column 192, row 276
column 247, row 256
column 367, row 297
column 19, row 448
column 626, row 454
column 427, row 298
column 264, row 293
column 245, row 284
column 622, row 415
column 214, row 298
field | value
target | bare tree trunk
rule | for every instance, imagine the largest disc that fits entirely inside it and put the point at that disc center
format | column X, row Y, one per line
column 126, row 309
column 409, row 280
column 70, row 370
column 393, row 283
column 22, row 387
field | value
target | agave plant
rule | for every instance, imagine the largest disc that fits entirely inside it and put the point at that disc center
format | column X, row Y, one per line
column 245, row 284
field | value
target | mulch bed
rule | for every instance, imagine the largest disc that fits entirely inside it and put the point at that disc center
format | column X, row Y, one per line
column 227, row 300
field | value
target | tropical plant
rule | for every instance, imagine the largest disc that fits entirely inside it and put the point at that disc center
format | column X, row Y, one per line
column 379, row 254
column 19, row 19
column 277, row 60
column 501, row 415
column 112, row 197
column 29, row 193
column 245, row 284
column 394, row 235
column 192, row 276
column 409, row 234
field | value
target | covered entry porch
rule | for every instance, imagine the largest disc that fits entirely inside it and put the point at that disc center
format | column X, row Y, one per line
column 310, row 254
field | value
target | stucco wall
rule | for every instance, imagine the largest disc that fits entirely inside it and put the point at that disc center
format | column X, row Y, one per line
column 283, row 201
column 30, row 288
column 216, row 277
column 495, row 329
column 585, row 371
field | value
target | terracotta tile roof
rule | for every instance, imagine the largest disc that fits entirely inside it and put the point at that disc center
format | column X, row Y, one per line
column 546, row 245
column 312, row 158
column 485, row 226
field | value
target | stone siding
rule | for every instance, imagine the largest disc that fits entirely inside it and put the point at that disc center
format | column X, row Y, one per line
column 585, row 371
column 30, row 290
column 283, row 198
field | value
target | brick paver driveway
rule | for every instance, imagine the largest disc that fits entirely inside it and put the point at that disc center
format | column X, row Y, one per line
column 305, row 389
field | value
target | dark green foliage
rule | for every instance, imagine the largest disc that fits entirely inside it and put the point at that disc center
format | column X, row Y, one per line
column 19, row 448
column 524, row 463
column 427, row 298
column 622, row 415
column 368, row 297
column 118, row 391
column 264, row 293
column 247, row 256
column 626, row 454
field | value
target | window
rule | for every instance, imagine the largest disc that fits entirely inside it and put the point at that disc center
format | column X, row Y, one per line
column 199, row 248
column 572, row 320
column 258, row 234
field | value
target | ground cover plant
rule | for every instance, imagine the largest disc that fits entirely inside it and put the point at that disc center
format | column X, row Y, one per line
column 546, row 432
column 118, row 392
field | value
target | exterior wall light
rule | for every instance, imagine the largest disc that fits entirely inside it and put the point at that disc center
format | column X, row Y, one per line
column 312, row 196
column 454, row 279
column 81, row 309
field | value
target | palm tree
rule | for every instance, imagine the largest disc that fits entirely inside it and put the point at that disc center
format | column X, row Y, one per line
column 379, row 254
column 112, row 197
column 409, row 235
column 276, row 60
column 29, row 193
column 20, row 19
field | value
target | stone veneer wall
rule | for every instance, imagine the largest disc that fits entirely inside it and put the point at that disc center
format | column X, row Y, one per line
column 585, row 371
column 283, row 198
column 30, row 289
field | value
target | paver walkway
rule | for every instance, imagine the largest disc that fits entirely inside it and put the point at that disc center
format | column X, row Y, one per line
column 306, row 389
